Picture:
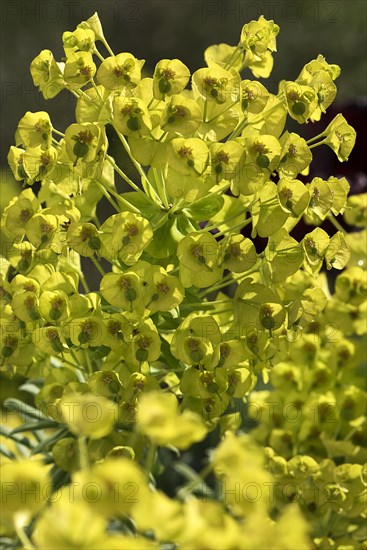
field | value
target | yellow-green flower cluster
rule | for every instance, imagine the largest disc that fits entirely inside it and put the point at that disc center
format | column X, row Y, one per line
column 143, row 322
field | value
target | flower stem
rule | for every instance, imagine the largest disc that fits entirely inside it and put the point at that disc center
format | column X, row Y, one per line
column 99, row 55
column 123, row 175
column 98, row 265
column 335, row 223
column 83, row 453
column 58, row 133
column 234, row 55
column 237, row 226
column 107, row 195
column 316, row 144
column 315, row 138
column 144, row 178
column 26, row 543
column 238, row 129
column 107, row 46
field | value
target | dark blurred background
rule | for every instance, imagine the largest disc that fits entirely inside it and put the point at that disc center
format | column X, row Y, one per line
column 155, row 29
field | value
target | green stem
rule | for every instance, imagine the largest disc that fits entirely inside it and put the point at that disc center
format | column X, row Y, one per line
column 231, row 229
column 87, row 360
column 98, row 265
column 162, row 136
column 77, row 362
column 211, row 120
column 192, row 485
column 100, row 56
column 107, row 46
column 243, row 65
column 83, row 453
column 70, row 363
column 161, row 186
column 176, row 205
column 216, row 225
column 315, row 138
column 150, row 458
column 234, row 54
column 85, row 96
column 97, row 91
column 238, row 129
column 110, row 200
column 55, row 142
column 58, row 133
column 118, row 197
column 316, row 144
column 335, row 223
column 222, row 189
column 84, row 282
column 123, row 175
column 26, row 543
column 205, row 109
column 227, row 280
column 144, row 177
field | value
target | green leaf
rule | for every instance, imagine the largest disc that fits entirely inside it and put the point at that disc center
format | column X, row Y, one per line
column 284, row 254
column 163, row 244
column 7, row 432
column 23, row 409
column 205, row 208
column 34, row 426
column 47, row 443
column 5, row 452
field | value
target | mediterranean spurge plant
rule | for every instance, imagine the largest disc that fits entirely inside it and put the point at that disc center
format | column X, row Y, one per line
column 192, row 334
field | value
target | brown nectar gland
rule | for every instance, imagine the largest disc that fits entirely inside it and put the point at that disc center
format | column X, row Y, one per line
column 122, row 70
column 30, row 302
column 57, row 302
column 180, row 111
column 286, row 193
column 310, row 245
column 168, row 73
column 222, row 157
column 41, row 125
column 10, row 341
column 85, row 233
column 267, row 311
column 124, row 283
column 260, row 148
column 210, row 82
column 85, row 136
column 225, row 351
column 87, row 327
column 131, row 229
column 185, row 152
column 163, row 288
column 144, row 342
column 46, row 227
column 86, row 71
column 234, row 250
column 196, row 250
column 52, row 334
column 193, row 345
column 127, row 110
column 114, row 327
column 29, row 287
column 292, row 150
column 45, row 159
column 248, row 94
column 293, row 95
